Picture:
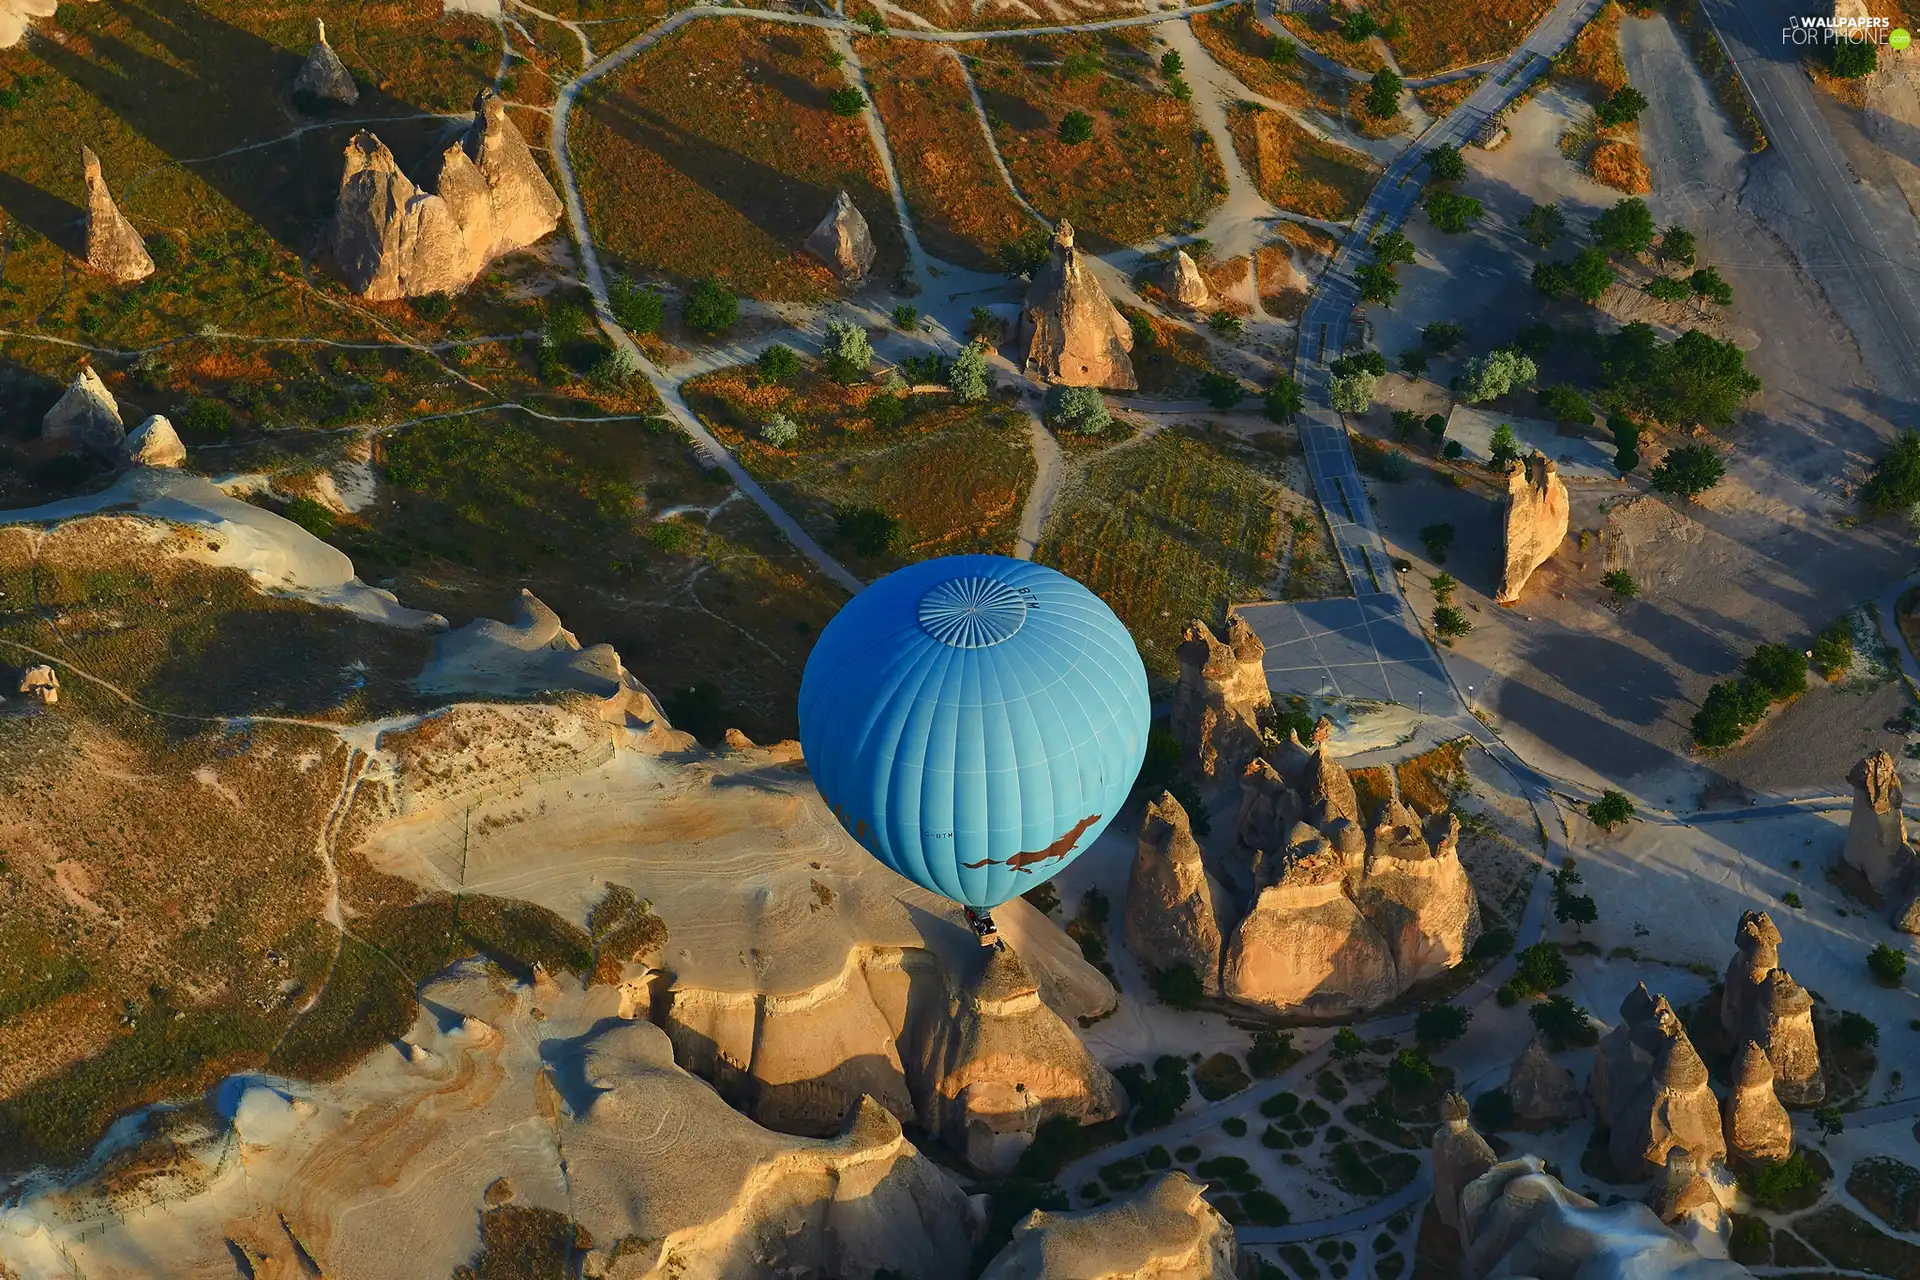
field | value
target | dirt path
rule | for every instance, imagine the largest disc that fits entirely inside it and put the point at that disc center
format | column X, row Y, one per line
column 1048, row 468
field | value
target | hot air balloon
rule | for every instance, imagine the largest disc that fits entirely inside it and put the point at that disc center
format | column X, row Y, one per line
column 974, row 722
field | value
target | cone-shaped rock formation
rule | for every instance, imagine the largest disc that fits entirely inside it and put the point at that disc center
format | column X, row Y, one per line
column 1170, row 898
column 1460, row 1155
column 1762, row 1003
column 1070, row 332
column 1758, row 1130
column 842, row 240
column 114, row 248
column 85, row 417
column 1669, row 1105
column 154, row 443
column 1536, row 523
column 1185, row 284
column 1877, row 832
column 1217, row 704
column 323, row 78
column 1543, row 1091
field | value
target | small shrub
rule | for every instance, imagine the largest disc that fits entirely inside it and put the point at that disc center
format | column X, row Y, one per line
column 1887, row 965
column 1539, row 969
column 1080, row 410
column 1437, row 539
column 778, row 363
column 1778, row 670
column 1441, row 1025
column 1347, row 1043
column 1450, row 623
column 1791, row 899
column 1179, row 987
column 1857, row 1030
column 871, row 531
column 847, row 103
column 1564, row 1023
column 847, row 352
column 1611, row 810
column 1833, row 650
column 314, row 517
column 780, row 431
column 639, row 311
column 207, row 418
column 1234, row 1127
column 1076, row 127
column 1280, row 1104
column 1769, row 1185
column 1272, row 1053
column 708, row 308
column 1620, row 585
column 1221, row 390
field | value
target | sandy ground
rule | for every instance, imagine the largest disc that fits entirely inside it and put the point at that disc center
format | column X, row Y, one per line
column 1579, row 456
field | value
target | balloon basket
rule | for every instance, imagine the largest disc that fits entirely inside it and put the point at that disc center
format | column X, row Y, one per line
column 981, row 923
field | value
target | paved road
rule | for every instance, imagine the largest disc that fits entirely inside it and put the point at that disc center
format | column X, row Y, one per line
column 1876, row 293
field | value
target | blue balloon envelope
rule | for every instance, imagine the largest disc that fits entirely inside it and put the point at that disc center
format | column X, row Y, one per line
column 974, row 722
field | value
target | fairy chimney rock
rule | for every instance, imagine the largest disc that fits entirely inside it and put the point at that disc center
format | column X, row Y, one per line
column 1761, row 1002
column 1536, row 523
column 1185, row 284
column 485, row 197
column 1268, row 809
column 323, row 77
column 1543, row 1091
column 114, row 248
column 1170, row 898
column 85, row 417
column 1758, row 1130
column 1674, row 1106
column 1877, row 833
column 843, row 241
column 1306, row 945
column 1219, row 699
column 154, row 443
column 40, row 683
column 1069, row 332
column 1460, row 1155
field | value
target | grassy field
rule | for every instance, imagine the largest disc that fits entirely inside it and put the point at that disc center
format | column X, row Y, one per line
column 1166, row 530
column 1298, row 171
column 961, row 206
column 1283, row 294
column 1592, row 64
column 1168, row 358
column 1237, row 41
column 953, row 476
column 1439, row 99
column 1147, row 170
column 1442, row 34
column 1319, row 30
column 714, row 154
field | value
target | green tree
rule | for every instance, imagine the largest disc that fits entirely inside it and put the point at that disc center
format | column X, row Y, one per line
column 1081, row 410
column 1853, row 59
column 1442, row 336
column 1543, row 224
column 1565, row 1024
column 1284, row 399
column 1438, row 540
column 708, row 308
column 1282, row 52
column 1376, row 284
column 1730, row 708
column 1491, row 376
column 778, row 363
column 1446, row 164
column 780, row 431
column 848, row 102
column 1437, row 427
column 1023, row 256
column 1348, row 1044
column 1179, row 987
column 1626, row 442
column 1450, row 623
column 1357, row 26
column 847, row 353
column 1886, row 965
column 1272, row 1053
column 1668, row 289
column 1626, row 228
column 985, row 327
column 1833, row 650
column 1441, row 1025
column 1076, row 127
column 1576, row 910
column 967, row 376
column 1405, row 423
column 1541, row 968
column 1535, row 339
column 1590, row 275
column 1563, row 403
column 1226, row 324
column 1857, row 1030
column 1829, row 1121
column 1622, row 106
column 1412, row 362
column 1451, row 212
column 1171, row 63
column 1707, row 285
column 1695, row 378
column 869, row 530
column 1552, row 279
column 1221, row 390
column 1503, row 448
column 1410, row 1071
column 1677, row 246
column 1443, row 584
column 1895, row 482
column 1778, row 670
column 1620, row 585
column 638, row 310
column 1611, row 810
column 1351, row 392
column 1689, row 471
column 1393, row 248
column 1383, row 93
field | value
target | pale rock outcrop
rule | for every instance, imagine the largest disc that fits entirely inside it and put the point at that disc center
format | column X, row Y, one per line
column 1069, row 331
column 323, row 77
column 484, row 197
column 1760, row 1002
column 40, row 683
column 1877, row 831
column 1420, row 901
column 1185, row 284
column 1219, row 699
column 1460, row 1155
column 85, row 417
column 1543, row 1091
column 996, row 1062
column 1671, row 1105
column 1269, row 808
column 114, row 249
column 154, row 443
column 1536, row 523
column 1327, row 790
column 1306, row 945
column 1171, row 898
column 1516, row 1219
column 1625, row 1055
column 1758, row 1130
column 1295, row 760
column 1166, row 1232
column 843, row 241
column 1688, row 1202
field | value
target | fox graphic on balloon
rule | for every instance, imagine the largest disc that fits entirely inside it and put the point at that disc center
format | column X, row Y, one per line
column 974, row 722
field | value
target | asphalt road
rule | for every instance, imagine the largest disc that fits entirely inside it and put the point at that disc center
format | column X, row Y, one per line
column 1876, row 292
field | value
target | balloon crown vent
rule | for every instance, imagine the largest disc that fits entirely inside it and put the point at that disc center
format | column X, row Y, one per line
column 973, row 613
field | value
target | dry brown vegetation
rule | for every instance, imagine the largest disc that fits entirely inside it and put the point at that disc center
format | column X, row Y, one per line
column 1439, row 99
column 713, row 154
column 1147, row 170
column 1441, row 34
column 1593, row 60
column 1282, row 294
column 961, row 207
column 1298, row 171
column 1617, row 163
column 1320, row 30
column 1169, row 358
column 954, row 476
